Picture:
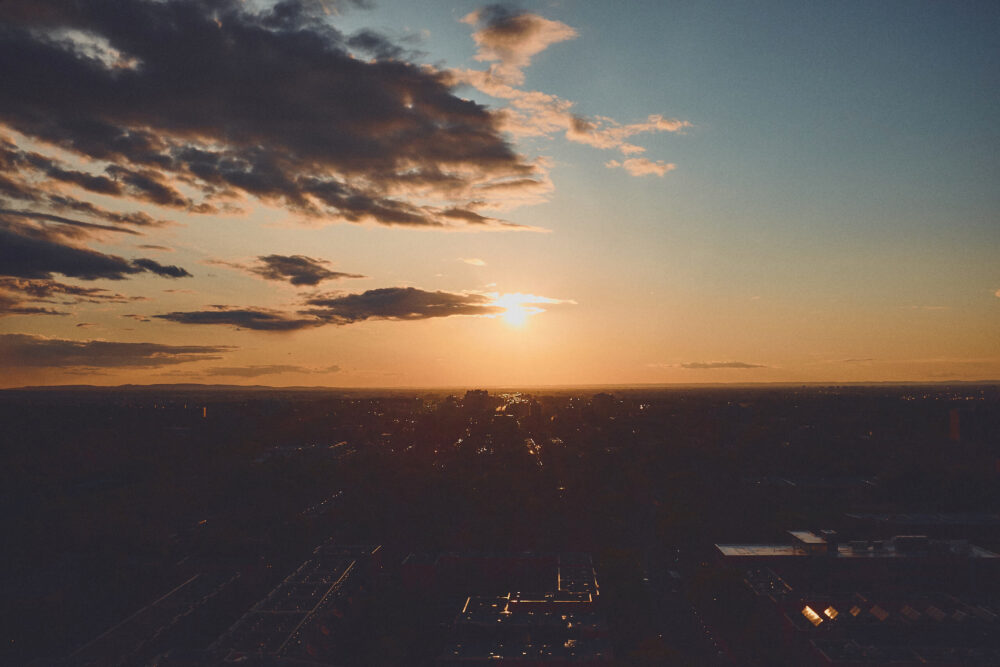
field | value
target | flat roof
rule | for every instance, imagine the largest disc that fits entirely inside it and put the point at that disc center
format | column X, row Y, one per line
column 807, row 537
column 931, row 519
column 843, row 551
column 760, row 550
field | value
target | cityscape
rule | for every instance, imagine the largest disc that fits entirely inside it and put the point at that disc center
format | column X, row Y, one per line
column 632, row 526
column 531, row 333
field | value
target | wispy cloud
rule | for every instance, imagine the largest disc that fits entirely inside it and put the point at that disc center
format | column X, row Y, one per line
column 536, row 113
column 642, row 166
column 256, row 319
column 37, row 251
column 31, row 351
column 510, row 38
column 166, row 270
column 268, row 369
column 297, row 270
column 399, row 303
column 707, row 365
column 12, row 304
column 386, row 303
column 474, row 261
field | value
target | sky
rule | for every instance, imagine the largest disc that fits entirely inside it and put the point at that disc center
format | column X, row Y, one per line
column 390, row 193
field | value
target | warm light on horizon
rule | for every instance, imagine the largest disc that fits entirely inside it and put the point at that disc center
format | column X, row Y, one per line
column 172, row 232
column 519, row 307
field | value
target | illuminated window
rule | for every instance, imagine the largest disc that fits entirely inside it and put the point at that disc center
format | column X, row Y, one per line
column 810, row 614
column 831, row 613
column 855, row 610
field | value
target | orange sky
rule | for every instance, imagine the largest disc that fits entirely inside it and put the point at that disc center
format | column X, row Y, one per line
column 458, row 196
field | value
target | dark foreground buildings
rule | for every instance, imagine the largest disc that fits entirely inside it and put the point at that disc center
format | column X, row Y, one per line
column 906, row 600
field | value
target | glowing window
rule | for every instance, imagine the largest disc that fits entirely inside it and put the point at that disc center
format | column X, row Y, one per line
column 831, row 613
column 811, row 615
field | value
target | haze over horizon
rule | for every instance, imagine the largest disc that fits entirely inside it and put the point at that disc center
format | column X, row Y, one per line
column 392, row 194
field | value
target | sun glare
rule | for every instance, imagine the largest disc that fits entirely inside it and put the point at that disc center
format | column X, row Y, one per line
column 516, row 316
column 518, row 307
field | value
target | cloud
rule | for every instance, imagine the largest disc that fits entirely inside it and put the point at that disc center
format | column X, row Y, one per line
column 387, row 303
column 642, row 167
column 296, row 269
column 509, row 38
column 76, row 228
column 399, row 303
column 10, row 304
column 16, row 292
column 534, row 113
column 513, row 37
column 198, row 105
column 167, row 270
column 17, row 168
column 257, row 319
column 150, row 246
column 702, row 365
column 272, row 369
column 520, row 304
column 31, row 351
column 51, row 289
column 474, row 261
column 31, row 251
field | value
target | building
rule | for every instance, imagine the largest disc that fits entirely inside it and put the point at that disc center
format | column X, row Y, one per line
column 905, row 600
column 522, row 609
column 823, row 560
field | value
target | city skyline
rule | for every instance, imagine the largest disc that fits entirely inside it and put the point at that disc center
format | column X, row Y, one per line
column 452, row 194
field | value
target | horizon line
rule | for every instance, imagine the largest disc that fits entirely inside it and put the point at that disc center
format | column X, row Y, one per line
column 621, row 385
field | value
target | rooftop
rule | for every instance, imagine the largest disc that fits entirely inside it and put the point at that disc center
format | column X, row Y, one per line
column 569, row 650
column 900, row 546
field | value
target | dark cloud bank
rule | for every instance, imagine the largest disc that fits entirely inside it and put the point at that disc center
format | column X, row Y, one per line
column 230, row 103
column 389, row 303
column 29, row 351
column 29, row 251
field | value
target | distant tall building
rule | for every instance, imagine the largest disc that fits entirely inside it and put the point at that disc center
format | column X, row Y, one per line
column 477, row 400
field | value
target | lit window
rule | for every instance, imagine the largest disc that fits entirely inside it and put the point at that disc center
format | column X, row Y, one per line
column 811, row 615
column 830, row 612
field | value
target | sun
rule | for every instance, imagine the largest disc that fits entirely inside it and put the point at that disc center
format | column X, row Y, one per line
column 518, row 307
column 516, row 315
